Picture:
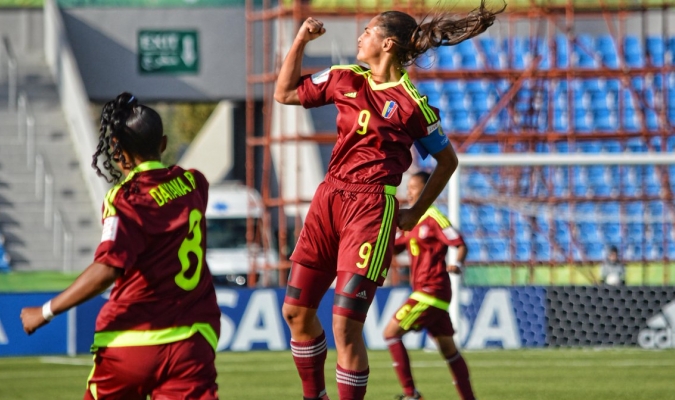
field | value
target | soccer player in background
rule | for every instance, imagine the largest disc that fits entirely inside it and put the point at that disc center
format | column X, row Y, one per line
column 427, row 306
column 349, row 230
column 158, row 332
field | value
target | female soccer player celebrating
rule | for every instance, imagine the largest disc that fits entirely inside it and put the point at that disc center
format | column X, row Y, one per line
column 427, row 306
column 158, row 332
column 349, row 229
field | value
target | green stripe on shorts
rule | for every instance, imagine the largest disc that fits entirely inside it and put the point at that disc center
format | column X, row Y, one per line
column 382, row 238
column 408, row 321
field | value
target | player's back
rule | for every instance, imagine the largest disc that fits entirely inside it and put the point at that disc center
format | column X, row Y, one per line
column 160, row 243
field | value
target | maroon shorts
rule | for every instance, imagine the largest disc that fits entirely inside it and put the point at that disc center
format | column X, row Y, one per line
column 414, row 315
column 180, row 370
column 350, row 228
column 353, row 293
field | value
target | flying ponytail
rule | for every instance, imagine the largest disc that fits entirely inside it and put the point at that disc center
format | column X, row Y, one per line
column 444, row 29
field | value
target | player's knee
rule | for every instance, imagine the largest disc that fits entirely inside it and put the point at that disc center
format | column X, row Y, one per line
column 295, row 316
column 392, row 330
column 347, row 331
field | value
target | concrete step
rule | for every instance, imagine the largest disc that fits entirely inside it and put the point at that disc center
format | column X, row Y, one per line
column 28, row 242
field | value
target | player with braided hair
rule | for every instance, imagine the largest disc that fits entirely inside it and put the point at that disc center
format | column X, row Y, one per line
column 349, row 230
column 158, row 332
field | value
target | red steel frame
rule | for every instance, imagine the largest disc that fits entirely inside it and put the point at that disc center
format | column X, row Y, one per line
column 263, row 65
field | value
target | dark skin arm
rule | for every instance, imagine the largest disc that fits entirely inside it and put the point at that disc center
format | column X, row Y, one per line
column 446, row 164
column 93, row 281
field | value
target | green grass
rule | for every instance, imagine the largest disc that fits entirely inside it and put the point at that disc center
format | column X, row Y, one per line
column 551, row 374
column 38, row 281
column 636, row 274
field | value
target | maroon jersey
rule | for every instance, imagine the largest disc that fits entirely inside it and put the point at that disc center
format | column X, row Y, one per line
column 155, row 229
column 377, row 123
column 427, row 245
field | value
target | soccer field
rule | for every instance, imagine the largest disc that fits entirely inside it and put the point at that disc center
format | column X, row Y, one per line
column 559, row 374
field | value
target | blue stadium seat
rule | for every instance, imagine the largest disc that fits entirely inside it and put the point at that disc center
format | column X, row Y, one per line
column 560, row 121
column 611, row 232
column 453, row 87
column 655, row 208
column 562, row 51
column 582, row 122
column 603, row 120
column 467, row 50
column 523, row 251
column 653, row 251
column 427, row 86
column 4, row 258
column 630, row 120
column 585, row 51
column 428, row 61
column 655, row 50
column 491, row 52
column 445, row 55
column 462, row 121
column 594, row 251
column 636, row 145
column 474, row 246
column 543, row 250
column 588, row 231
column 606, row 47
column 634, row 209
column 611, row 146
column 633, row 54
column 498, row 251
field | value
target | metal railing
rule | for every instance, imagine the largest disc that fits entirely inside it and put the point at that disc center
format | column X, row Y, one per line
column 62, row 237
column 9, row 59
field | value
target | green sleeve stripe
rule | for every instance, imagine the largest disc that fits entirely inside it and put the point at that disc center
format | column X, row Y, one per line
column 424, row 298
column 421, row 101
column 154, row 337
column 108, row 208
column 438, row 216
column 382, row 238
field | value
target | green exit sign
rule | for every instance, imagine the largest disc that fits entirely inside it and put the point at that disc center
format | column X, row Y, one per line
column 168, row 51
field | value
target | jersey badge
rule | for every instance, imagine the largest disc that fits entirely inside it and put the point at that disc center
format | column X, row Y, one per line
column 351, row 95
column 389, row 108
column 423, row 232
column 321, row 76
column 110, row 229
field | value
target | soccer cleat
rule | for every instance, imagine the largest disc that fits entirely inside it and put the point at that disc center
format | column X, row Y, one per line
column 417, row 396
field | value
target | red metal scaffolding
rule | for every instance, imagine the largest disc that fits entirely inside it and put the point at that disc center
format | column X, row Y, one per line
column 544, row 20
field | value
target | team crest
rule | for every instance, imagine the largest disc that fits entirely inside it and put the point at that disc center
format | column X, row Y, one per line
column 389, row 108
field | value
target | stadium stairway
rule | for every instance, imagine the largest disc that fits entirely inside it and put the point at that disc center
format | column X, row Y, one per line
column 22, row 217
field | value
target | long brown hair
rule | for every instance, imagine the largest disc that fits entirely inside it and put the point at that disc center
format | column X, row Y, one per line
column 444, row 29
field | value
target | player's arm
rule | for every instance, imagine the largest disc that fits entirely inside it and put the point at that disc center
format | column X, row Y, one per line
column 446, row 164
column 451, row 237
column 289, row 75
column 400, row 242
column 93, row 281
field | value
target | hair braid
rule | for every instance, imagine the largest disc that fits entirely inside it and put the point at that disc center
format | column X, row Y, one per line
column 129, row 126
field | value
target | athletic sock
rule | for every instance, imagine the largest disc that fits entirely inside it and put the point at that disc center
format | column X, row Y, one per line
column 310, row 357
column 351, row 384
column 461, row 374
column 401, row 363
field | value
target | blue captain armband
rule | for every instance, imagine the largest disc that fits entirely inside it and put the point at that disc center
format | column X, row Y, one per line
column 434, row 142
